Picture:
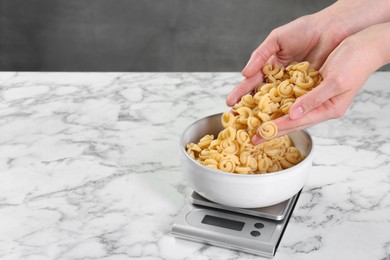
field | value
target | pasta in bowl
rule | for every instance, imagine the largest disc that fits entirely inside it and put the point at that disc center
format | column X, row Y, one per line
column 242, row 189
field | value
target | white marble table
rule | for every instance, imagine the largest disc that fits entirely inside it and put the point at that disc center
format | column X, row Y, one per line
column 89, row 169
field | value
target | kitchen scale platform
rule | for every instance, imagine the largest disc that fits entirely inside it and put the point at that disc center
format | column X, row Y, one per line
column 256, row 230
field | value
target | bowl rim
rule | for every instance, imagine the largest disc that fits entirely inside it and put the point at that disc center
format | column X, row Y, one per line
column 245, row 175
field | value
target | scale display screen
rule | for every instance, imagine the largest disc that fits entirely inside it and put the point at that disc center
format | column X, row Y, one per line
column 223, row 222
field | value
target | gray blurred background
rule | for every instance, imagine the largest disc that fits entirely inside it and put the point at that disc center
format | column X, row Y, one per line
column 143, row 35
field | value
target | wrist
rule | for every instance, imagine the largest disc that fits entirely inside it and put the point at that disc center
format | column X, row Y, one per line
column 347, row 17
column 380, row 42
column 330, row 21
column 373, row 44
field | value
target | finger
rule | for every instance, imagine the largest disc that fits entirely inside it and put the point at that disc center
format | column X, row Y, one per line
column 257, row 139
column 290, row 128
column 320, row 114
column 261, row 55
column 245, row 86
column 311, row 100
column 294, row 129
column 275, row 60
column 334, row 107
column 315, row 116
column 287, row 125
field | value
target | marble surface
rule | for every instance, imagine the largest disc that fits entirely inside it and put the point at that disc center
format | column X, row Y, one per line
column 89, row 169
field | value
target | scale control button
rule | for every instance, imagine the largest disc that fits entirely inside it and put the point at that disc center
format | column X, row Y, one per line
column 255, row 233
column 259, row 225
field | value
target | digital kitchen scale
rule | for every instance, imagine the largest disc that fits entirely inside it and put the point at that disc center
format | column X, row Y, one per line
column 257, row 230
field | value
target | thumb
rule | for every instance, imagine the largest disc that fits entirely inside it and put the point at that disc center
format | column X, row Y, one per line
column 261, row 55
column 311, row 100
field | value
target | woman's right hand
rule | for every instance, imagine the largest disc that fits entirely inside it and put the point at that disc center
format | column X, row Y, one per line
column 311, row 38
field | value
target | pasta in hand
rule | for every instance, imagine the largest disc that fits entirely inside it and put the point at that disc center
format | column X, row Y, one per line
column 232, row 151
column 268, row 130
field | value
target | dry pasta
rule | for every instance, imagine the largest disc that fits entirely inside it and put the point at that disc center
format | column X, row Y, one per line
column 232, row 150
column 268, row 130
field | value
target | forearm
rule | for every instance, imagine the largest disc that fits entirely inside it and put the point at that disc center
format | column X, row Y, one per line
column 352, row 16
column 358, row 56
column 376, row 41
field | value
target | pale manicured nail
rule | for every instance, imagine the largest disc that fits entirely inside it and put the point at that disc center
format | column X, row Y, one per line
column 256, row 139
column 297, row 113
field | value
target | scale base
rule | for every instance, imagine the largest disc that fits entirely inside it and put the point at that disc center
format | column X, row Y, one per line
column 233, row 230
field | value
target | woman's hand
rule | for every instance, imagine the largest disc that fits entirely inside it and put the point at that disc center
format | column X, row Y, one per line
column 307, row 38
column 344, row 73
column 311, row 38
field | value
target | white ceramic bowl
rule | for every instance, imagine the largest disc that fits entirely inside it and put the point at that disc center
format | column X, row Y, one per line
column 243, row 190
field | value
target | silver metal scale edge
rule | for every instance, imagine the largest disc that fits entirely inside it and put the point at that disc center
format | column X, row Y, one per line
column 256, row 231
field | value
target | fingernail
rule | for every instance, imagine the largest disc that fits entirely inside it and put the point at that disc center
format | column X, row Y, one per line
column 296, row 113
column 256, row 139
